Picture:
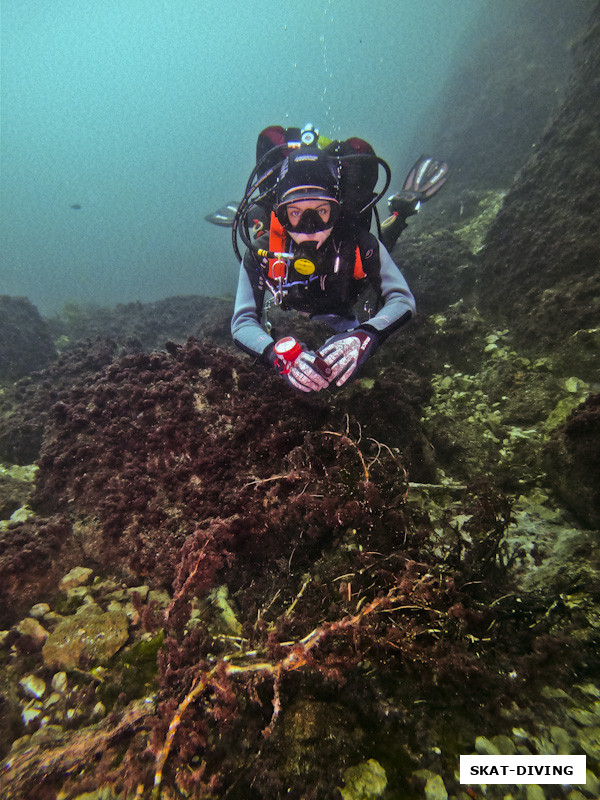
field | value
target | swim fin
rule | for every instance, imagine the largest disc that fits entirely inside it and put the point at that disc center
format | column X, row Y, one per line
column 426, row 177
column 224, row 216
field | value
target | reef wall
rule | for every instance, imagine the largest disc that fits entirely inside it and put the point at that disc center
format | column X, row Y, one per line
column 539, row 270
column 513, row 65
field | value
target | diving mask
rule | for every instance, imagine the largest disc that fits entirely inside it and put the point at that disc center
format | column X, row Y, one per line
column 320, row 217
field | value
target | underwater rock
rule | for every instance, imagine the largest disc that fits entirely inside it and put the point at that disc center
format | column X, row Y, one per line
column 13, row 494
column 25, row 341
column 90, row 637
column 77, row 576
column 503, row 86
column 572, row 461
column 31, row 630
column 539, row 268
column 439, row 269
column 146, row 326
column 25, row 407
column 33, row 686
column 34, row 555
column 365, row 781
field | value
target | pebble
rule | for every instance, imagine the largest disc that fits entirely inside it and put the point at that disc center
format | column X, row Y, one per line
column 159, row 596
column 33, row 686
column 582, row 716
column 589, row 740
column 31, row 628
column 534, row 792
column 142, row 591
column 78, row 576
column 39, row 610
column 504, row 745
column 485, row 748
column 592, row 784
column 590, row 689
column 52, row 700
column 59, row 682
column 98, row 711
column 562, row 740
column 92, row 634
column 30, row 714
column 435, row 788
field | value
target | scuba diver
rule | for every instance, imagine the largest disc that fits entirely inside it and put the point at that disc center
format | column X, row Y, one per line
column 310, row 249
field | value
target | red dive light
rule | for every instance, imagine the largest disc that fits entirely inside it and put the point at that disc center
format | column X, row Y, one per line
column 287, row 351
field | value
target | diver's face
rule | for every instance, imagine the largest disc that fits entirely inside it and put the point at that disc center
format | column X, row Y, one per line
column 295, row 210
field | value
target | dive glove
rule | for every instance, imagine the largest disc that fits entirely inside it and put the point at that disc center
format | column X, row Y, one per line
column 300, row 368
column 346, row 352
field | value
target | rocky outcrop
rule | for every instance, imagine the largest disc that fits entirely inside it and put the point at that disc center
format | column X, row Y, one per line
column 539, row 269
column 572, row 461
column 25, row 342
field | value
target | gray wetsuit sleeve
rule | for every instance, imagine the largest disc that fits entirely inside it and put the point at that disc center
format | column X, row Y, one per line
column 246, row 330
column 398, row 302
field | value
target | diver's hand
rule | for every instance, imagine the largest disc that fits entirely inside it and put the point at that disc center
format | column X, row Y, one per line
column 304, row 373
column 346, row 352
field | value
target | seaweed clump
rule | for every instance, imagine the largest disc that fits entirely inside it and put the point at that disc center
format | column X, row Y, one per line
column 305, row 598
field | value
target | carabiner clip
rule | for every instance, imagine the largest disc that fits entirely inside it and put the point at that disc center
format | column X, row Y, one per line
column 277, row 293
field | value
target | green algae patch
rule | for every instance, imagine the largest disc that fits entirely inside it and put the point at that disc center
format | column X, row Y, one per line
column 90, row 637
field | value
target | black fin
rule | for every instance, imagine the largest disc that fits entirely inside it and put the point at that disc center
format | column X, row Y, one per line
column 224, row 216
column 426, row 177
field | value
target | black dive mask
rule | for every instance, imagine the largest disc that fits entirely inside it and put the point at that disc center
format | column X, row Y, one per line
column 310, row 220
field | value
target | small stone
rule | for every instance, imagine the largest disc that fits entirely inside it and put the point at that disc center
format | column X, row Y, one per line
column 550, row 693
column 485, row 748
column 589, row 741
column 365, row 781
column 79, row 595
column 52, row 700
column 3, row 637
column 133, row 615
column 59, row 682
column 94, row 636
column 98, row 711
column 31, row 628
column 534, row 792
column 592, row 784
column 39, row 610
column 142, row 591
column 435, row 788
column 78, row 576
column 544, row 747
column 159, row 596
column 504, row 745
column 582, row 716
column 590, row 689
column 33, row 686
column 31, row 714
column 561, row 740
column 118, row 595
column 21, row 514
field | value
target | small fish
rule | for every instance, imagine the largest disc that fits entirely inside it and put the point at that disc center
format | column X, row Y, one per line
column 76, row 206
column 224, row 216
